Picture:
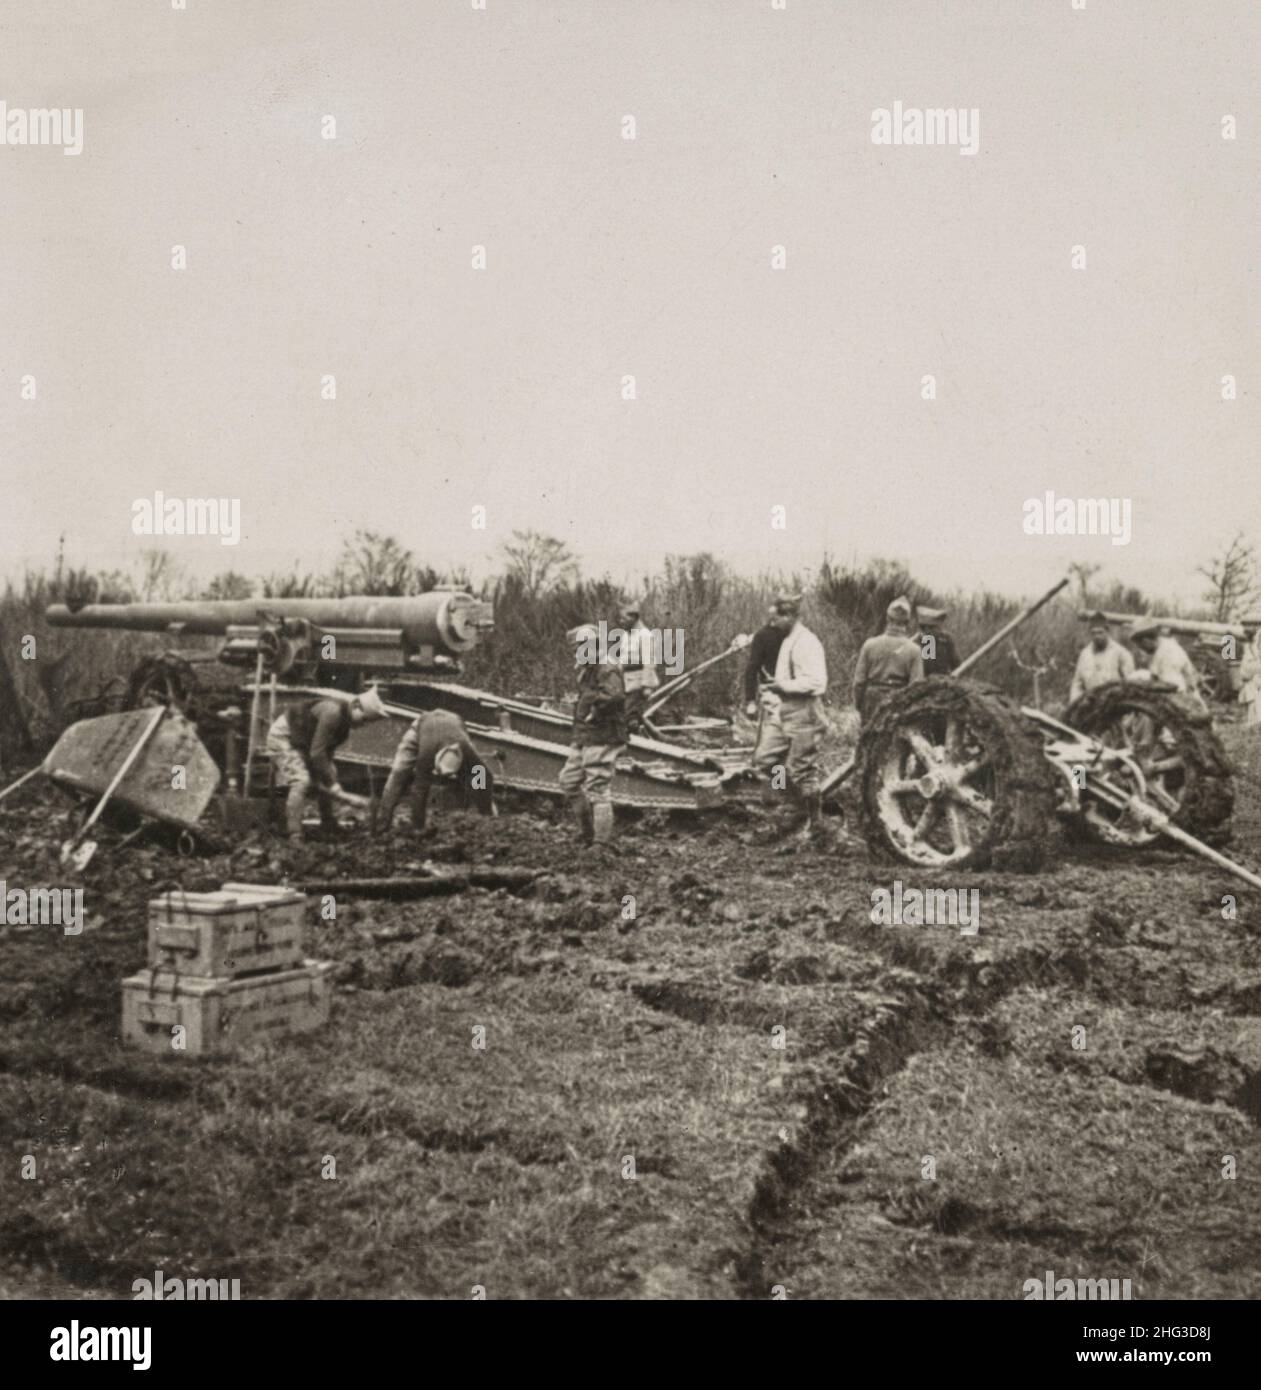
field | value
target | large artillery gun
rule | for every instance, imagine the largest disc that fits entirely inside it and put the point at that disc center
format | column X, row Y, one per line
column 411, row 648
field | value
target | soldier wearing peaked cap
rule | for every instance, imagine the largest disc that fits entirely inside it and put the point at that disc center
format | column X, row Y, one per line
column 792, row 721
column 1101, row 661
column 301, row 745
column 436, row 746
column 887, row 663
column 599, row 737
column 937, row 647
column 1165, row 659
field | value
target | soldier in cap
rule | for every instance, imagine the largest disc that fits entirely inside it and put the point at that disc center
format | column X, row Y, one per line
column 937, row 647
column 639, row 674
column 763, row 654
column 301, row 744
column 598, row 739
column 1102, row 660
column 436, row 745
column 887, row 663
column 1166, row 660
column 793, row 722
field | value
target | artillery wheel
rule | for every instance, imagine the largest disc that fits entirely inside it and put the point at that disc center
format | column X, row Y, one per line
column 952, row 774
column 1187, row 771
column 162, row 680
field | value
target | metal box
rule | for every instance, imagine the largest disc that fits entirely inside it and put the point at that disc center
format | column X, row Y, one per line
column 238, row 929
column 219, row 1015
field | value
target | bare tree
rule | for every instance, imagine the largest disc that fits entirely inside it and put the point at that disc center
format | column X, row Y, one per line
column 539, row 563
column 229, row 585
column 376, row 565
column 1232, row 580
column 160, row 576
column 1083, row 573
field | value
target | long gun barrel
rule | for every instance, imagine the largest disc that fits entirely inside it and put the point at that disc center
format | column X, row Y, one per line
column 449, row 623
column 1244, row 630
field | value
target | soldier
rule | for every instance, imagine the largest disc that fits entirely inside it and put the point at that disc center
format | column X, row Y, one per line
column 888, row 662
column 763, row 654
column 938, row 651
column 436, row 745
column 639, row 675
column 793, row 722
column 1166, row 660
column 301, row 744
column 1104, row 659
column 599, row 737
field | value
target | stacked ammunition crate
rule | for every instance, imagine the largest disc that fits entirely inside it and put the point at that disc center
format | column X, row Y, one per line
column 225, row 968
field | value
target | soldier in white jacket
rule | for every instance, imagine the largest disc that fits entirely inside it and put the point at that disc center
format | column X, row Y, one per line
column 1166, row 660
column 793, row 723
column 1101, row 661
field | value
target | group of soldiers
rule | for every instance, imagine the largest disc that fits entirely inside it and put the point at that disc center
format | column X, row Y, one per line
column 1163, row 659
column 302, row 743
column 784, row 683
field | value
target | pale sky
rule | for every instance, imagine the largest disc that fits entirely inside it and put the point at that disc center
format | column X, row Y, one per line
column 651, row 257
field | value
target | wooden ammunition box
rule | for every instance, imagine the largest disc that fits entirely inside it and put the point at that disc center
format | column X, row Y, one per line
column 221, row 1015
column 238, row 929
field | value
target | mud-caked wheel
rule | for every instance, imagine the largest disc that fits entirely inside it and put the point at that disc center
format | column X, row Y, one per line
column 1185, row 768
column 162, row 680
column 953, row 775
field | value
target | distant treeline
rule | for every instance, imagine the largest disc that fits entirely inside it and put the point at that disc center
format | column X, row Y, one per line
column 539, row 594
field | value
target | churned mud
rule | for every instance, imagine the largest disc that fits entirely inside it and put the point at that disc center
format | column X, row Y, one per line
column 689, row 1067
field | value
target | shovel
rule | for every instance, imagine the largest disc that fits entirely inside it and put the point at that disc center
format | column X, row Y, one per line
column 79, row 856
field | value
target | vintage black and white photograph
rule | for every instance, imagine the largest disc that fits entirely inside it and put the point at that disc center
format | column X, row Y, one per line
column 629, row 660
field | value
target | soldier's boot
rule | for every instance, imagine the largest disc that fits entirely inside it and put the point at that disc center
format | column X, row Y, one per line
column 580, row 809
column 819, row 830
column 329, row 823
column 295, row 809
column 390, row 797
column 799, row 815
column 602, row 817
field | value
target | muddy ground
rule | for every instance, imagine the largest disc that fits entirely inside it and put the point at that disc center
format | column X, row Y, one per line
column 745, row 1087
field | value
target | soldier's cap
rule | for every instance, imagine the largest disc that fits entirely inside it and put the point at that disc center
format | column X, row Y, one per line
column 788, row 605
column 584, row 632
column 931, row 615
column 1145, row 629
column 448, row 760
column 899, row 608
column 1097, row 620
column 371, row 703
